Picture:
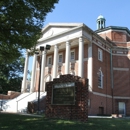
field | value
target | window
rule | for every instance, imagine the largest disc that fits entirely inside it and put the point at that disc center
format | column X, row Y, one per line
column 60, row 58
column 88, row 102
column 72, row 55
column 100, row 55
column 100, row 79
column 49, row 61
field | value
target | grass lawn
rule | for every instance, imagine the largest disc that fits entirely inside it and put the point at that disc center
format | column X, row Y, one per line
column 22, row 122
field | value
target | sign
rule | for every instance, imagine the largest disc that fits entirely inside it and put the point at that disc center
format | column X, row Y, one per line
column 63, row 93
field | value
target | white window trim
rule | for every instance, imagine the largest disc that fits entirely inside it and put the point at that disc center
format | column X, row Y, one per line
column 74, row 55
column 101, row 54
column 101, row 78
column 62, row 57
column 48, row 60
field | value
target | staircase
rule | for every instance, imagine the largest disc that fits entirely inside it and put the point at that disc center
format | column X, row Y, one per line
column 19, row 104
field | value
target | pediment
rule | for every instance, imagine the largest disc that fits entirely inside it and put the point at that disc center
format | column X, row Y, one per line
column 53, row 29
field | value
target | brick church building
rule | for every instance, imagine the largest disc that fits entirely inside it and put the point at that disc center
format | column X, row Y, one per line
column 102, row 56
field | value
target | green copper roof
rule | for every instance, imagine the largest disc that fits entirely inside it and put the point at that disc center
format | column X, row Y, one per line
column 100, row 17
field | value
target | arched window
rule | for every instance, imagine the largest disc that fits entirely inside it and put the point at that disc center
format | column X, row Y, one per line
column 58, row 76
column 48, row 78
column 72, row 72
column 100, row 78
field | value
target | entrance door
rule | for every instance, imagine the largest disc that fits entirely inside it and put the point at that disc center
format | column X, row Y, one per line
column 121, row 107
column 101, row 110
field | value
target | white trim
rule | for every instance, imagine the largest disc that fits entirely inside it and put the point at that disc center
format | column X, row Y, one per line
column 118, row 97
column 76, row 30
column 90, row 65
column 109, row 96
column 119, row 54
column 102, row 47
column 121, row 69
column 103, row 95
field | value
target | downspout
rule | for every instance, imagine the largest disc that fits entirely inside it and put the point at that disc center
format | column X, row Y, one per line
column 111, row 78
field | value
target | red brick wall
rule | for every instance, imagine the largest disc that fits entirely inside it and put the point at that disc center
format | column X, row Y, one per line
column 121, row 78
column 79, row 111
column 119, row 36
column 96, row 102
column 121, row 61
column 121, row 83
column 105, row 68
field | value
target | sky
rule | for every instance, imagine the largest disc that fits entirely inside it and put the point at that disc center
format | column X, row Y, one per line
column 116, row 13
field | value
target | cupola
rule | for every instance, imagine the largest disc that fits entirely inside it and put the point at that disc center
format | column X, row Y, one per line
column 100, row 22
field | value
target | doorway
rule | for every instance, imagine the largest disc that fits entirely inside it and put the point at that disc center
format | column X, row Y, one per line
column 121, row 107
column 101, row 110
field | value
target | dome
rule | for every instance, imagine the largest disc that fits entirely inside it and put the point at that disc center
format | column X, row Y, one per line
column 100, row 17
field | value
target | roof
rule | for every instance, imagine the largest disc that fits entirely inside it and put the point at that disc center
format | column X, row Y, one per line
column 100, row 17
column 114, row 28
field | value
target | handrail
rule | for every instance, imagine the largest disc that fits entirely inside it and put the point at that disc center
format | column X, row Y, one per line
column 21, row 99
column 37, row 97
column 25, row 97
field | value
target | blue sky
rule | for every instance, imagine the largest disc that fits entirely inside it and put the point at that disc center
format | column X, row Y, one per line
column 116, row 13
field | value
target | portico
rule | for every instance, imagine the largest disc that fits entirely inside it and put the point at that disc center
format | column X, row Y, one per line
column 69, row 37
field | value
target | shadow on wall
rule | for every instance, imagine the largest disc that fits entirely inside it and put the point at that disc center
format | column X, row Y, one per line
column 33, row 106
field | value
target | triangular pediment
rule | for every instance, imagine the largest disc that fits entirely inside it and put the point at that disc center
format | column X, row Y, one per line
column 53, row 29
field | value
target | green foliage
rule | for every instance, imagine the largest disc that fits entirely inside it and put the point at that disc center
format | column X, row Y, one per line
column 20, row 25
column 11, row 75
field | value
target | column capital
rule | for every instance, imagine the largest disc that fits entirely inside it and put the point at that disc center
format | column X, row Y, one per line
column 81, row 39
column 56, row 46
column 26, row 52
column 68, row 43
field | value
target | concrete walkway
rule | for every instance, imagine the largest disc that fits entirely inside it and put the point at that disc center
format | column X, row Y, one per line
column 26, row 114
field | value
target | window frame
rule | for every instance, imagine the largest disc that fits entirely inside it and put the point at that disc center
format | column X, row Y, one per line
column 100, row 79
column 48, row 60
column 59, row 57
column 100, row 55
column 74, row 55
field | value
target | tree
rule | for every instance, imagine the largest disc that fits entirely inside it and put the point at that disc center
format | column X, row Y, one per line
column 20, row 25
column 11, row 75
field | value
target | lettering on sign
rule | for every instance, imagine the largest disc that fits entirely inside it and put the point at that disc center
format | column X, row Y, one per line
column 63, row 93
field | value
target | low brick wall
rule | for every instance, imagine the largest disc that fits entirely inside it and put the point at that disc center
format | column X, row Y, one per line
column 79, row 111
column 10, row 95
column 33, row 106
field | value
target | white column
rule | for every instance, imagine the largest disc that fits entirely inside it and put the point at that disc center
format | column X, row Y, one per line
column 55, row 61
column 90, row 65
column 43, row 65
column 25, row 73
column 67, row 58
column 33, row 74
column 81, row 58
column 100, row 24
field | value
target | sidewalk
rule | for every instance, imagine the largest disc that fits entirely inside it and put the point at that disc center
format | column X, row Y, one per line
column 26, row 114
